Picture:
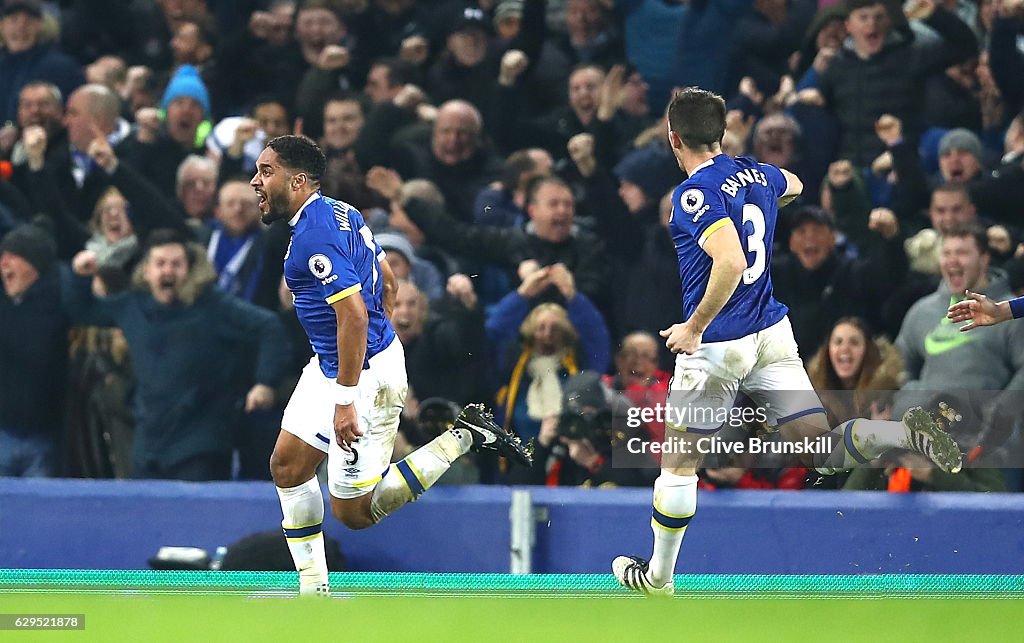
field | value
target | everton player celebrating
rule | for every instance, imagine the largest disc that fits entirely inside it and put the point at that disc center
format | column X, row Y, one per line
column 350, row 396
column 737, row 337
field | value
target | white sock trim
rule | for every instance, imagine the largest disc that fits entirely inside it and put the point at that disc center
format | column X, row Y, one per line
column 673, row 480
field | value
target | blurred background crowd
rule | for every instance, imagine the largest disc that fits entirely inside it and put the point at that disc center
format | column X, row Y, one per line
column 511, row 159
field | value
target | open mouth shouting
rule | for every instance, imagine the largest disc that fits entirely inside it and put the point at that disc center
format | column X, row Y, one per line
column 262, row 204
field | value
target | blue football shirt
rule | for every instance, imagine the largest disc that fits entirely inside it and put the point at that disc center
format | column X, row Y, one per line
column 333, row 255
column 744, row 194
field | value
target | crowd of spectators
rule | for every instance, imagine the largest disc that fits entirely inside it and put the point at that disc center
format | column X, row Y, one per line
column 510, row 157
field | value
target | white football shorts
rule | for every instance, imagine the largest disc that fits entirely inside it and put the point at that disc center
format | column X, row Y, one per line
column 766, row 366
column 309, row 416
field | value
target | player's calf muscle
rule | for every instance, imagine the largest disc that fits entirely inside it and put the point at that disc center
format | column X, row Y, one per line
column 354, row 513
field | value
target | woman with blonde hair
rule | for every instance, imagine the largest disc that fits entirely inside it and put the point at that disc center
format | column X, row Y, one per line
column 547, row 357
column 539, row 344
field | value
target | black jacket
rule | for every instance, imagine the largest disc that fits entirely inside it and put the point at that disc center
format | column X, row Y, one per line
column 840, row 287
column 860, row 90
column 582, row 253
column 33, row 358
column 448, row 359
column 459, row 183
column 159, row 160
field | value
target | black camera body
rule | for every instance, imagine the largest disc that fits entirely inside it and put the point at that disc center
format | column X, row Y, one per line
column 595, row 426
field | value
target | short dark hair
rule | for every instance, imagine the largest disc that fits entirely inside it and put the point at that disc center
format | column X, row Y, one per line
column 536, row 183
column 517, row 164
column 168, row 237
column 350, row 97
column 953, row 188
column 970, row 231
column 268, row 99
column 400, row 72
column 853, row 5
column 301, row 154
column 587, row 65
column 697, row 116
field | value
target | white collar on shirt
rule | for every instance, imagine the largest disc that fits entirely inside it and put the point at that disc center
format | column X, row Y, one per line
column 295, row 219
column 707, row 163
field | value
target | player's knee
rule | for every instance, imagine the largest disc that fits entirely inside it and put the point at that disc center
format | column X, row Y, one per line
column 286, row 472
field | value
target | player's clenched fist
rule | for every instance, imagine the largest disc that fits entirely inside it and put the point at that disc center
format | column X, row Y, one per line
column 682, row 338
column 346, row 426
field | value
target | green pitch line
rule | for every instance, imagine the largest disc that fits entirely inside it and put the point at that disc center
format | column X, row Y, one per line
column 570, row 585
column 451, row 619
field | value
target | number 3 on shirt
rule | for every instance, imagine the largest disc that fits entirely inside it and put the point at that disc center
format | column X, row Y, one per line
column 755, row 242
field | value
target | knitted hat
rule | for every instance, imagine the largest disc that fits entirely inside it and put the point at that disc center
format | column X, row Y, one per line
column 652, row 168
column 961, row 139
column 508, row 9
column 187, row 83
column 393, row 242
column 33, row 244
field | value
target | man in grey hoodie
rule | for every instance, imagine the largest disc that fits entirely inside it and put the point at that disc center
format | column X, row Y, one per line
column 939, row 358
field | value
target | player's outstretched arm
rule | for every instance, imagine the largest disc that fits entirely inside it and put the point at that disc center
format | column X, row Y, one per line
column 979, row 310
column 794, row 188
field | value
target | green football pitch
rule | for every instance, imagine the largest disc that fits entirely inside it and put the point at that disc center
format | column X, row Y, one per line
column 238, row 606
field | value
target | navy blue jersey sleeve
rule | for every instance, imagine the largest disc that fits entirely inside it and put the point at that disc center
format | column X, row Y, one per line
column 699, row 211
column 776, row 179
column 331, row 266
